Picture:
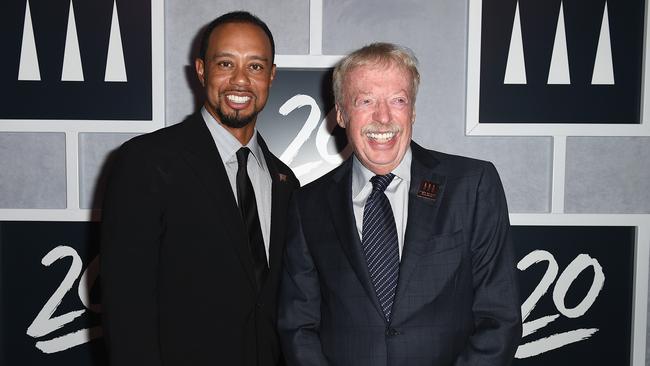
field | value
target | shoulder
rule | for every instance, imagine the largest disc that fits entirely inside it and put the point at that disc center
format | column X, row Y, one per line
column 163, row 140
column 468, row 175
column 451, row 165
column 319, row 188
column 283, row 169
column 280, row 165
column 276, row 165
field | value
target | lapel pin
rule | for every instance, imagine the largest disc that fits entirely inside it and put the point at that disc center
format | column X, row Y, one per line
column 428, row 190
column 282, row 177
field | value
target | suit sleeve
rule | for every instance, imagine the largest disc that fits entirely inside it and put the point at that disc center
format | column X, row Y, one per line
column 131, row 232
column 496, row 309
column 299, row 300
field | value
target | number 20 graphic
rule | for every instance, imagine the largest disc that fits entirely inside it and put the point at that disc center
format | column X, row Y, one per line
column 570, row 273
column 323, row 136
column 44, row 323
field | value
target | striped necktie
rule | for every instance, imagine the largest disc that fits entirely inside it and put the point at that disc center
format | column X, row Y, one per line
column 379, row 243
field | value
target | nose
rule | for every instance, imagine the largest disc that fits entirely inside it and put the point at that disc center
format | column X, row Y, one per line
column 382, row 112
column 239, row 76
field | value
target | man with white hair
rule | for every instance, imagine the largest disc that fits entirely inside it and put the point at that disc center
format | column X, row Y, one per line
column 402, row 255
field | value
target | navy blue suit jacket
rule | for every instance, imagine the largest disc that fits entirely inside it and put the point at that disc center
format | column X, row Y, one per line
column 456, row 301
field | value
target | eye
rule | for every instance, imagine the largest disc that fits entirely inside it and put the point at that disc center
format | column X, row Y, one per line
column 224, row 64
column 257, row 67
column 400, row 100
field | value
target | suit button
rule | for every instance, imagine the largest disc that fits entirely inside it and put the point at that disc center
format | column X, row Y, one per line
column 391, row 332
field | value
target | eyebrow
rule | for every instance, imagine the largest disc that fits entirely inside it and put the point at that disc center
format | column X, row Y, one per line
column 228, row 54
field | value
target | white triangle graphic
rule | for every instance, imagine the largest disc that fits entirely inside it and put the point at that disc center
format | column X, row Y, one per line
column 559, row 71
column 72, row 70
column 28, row 68
column 115, row 68
column 603, row 67
column 515, row 66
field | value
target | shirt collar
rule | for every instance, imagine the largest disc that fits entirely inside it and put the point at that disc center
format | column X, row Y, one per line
column 361, row 175
column 227, row 144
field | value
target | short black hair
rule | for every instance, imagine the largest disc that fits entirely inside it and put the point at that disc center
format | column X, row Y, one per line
column 235, row 17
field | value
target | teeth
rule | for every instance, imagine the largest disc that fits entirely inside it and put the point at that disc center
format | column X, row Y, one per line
column 238, row 99
column 385, row 136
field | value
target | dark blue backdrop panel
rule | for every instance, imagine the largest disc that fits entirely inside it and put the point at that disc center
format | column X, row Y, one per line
column 609, row 317
column 30, row 288
column 580, row 101
column 93, row 98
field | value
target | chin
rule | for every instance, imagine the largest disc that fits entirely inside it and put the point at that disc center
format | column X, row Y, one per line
column 383, row 157
column 235, row 120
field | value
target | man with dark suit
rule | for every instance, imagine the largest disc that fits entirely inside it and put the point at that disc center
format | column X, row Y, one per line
column 194, row 221
column 402, row 255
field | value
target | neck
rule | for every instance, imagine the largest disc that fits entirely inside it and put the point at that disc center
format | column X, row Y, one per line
column 243, row 134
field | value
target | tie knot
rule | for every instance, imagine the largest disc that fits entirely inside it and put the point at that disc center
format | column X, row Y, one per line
column 242, row 156
column 380, row 182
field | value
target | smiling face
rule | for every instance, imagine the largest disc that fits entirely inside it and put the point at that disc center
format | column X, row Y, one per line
column 377, row 113
column 236, row 73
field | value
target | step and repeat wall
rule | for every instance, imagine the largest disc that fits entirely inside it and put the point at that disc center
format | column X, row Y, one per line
column 552, row 93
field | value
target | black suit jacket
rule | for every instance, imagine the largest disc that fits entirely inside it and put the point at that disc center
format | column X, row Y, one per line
column 177, row 281
column 456, row 301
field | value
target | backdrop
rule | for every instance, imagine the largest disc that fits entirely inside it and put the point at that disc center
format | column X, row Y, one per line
column 78, row 80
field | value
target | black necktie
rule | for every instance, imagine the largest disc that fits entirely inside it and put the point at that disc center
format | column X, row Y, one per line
column 248, row 208
column 379, row 242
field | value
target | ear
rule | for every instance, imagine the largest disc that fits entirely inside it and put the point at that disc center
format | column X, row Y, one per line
column 272, row 75
column 340, row 116
column 199, row 66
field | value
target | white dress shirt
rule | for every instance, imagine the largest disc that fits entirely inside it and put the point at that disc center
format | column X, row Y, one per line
column 397, row 193
column 257, row 170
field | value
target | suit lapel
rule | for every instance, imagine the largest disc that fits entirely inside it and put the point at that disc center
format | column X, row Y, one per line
column 202, row 155
column 342, row 214
column 280, row 193
column 422, row 214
